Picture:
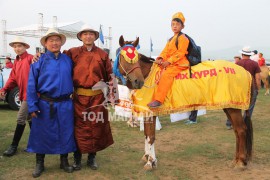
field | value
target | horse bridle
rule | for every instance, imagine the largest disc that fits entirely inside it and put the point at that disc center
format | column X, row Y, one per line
column 127, row 72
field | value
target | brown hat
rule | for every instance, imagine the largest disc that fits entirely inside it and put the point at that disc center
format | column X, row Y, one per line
column 19, row 40
column 52, row 32
column 87, row 28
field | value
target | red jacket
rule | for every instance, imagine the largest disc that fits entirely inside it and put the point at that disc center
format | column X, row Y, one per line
column 19, row 75
column 261, row 62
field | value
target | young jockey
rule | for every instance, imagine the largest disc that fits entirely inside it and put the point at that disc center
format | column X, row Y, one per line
column 172, row 60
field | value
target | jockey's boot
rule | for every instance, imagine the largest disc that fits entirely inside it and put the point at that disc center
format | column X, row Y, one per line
column 154, row 104
column 16, row 139
column 91, row 162
column 39, row 165
column 77, row 160
column 64, row 163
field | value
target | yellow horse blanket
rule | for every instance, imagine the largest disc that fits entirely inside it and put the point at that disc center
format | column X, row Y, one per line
column 214, row 85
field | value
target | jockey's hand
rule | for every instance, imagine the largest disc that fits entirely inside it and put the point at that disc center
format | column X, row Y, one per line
column 36, row 57
column 165, row 64
column 34, row 114
column 158, row 60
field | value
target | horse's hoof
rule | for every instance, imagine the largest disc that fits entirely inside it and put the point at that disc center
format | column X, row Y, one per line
column 240, row 166
column 232, row 163
column 145, row 158
column 148, row 167
column 154, row 164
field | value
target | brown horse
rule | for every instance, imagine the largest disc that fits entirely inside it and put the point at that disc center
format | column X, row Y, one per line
column 265, row 78
column 135, row 73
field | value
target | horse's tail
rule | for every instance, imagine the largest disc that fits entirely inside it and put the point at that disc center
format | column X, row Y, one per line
column 249, row 135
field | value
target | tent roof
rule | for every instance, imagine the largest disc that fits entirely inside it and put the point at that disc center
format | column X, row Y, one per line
column 70, row 29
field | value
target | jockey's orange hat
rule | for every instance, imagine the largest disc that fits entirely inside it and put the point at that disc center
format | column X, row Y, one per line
column 180, row 16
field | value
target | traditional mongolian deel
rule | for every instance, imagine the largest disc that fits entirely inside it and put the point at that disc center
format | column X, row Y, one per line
column 53, row 130
column 214, row 85
column 92, row 126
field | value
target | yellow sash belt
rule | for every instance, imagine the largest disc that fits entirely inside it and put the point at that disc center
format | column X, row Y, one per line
column 87, row 92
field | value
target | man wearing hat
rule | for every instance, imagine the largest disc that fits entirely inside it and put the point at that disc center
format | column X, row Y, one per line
column 172, row 59
column 50, row 105
column 253, row 68
column 92, row 127
column 19, row 77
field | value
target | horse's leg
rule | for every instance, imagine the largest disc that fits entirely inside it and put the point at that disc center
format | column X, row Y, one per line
column 236, row 136
column 240, row 129
column 266, row 85
column 149, row 132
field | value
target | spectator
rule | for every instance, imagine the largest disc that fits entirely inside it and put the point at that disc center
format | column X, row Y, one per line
column 9, row 64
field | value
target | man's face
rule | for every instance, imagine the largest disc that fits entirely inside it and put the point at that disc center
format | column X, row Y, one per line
column 236, row 59
column 260, row 55
column 88, row 38
column 53, row 44
column 176, row 26
column 19, row 48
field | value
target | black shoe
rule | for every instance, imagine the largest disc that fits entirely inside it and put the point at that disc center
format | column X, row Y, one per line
column 77, row 161
column 39, row 165
column 64, row 164
column 91, row 162
column 10, row 151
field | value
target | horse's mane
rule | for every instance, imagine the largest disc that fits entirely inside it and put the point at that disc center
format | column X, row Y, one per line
column 146, row 59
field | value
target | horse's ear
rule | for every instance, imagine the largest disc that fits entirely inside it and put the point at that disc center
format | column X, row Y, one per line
column 121, row 41
column 135, row 43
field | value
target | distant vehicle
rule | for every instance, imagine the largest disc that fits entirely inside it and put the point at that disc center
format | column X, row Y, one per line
column 12, row 96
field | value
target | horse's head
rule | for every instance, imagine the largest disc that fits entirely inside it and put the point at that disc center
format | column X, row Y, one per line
column 127, row 65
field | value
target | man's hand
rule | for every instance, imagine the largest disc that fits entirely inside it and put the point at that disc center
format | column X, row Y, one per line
column 36, row 57
column 34, row 114
column 2, row 95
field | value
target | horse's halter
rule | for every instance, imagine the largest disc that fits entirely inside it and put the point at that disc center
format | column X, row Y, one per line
column 131, row 56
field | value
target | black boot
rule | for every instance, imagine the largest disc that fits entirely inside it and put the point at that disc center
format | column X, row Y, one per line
column 39, row 165
column 91, row 162
column 64, row 163
column 16, row 139
column 77, row 160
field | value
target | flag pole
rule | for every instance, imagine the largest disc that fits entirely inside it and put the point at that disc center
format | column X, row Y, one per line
column 150, row 47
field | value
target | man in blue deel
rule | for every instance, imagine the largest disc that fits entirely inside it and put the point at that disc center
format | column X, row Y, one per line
column 50, row 87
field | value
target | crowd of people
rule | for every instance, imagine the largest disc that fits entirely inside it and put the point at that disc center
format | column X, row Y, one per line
column 251, row 61
column 56, row 94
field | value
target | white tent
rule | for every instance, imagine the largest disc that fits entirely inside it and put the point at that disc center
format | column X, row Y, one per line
column 70, row 29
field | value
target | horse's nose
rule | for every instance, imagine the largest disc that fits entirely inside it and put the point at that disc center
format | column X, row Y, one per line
column 139, row 83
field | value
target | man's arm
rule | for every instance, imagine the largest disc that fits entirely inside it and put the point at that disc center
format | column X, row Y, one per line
column 32, row 97
column 258, row 80
column 183, row 43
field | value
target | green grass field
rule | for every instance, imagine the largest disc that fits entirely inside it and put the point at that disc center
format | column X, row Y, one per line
column 198, row 151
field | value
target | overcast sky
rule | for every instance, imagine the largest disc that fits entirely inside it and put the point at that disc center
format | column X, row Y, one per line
column 213, row 24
